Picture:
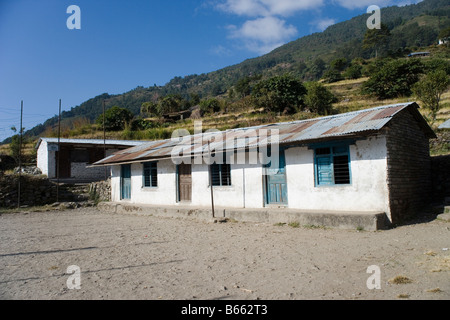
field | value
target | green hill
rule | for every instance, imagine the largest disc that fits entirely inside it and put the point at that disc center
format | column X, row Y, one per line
column 307, row 58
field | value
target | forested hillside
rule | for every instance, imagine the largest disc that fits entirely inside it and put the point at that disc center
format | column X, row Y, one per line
column 340, row 52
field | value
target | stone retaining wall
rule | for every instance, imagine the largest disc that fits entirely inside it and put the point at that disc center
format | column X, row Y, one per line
column 100, row 191
column 38, row 191
column 34, row 191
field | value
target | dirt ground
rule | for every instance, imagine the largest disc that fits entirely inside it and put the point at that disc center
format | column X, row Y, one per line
column 145, row 257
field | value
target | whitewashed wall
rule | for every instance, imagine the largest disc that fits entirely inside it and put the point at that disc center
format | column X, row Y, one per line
column 368, row 191
column 46, row 160
column 42, row 157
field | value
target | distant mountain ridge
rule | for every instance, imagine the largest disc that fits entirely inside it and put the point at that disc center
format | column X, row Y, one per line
column 298, row 57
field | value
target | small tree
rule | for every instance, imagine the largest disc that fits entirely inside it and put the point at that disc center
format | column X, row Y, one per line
column 280, row 94
column 172, row 103
column 394, row 78
column 353, row 72
column 332, row 75
column 242, row 87
column 149, row 108
column 210, row 106
column 115, row 118
column 319, row 98
column 14, row 146
column 377, row 39
column 430, row 89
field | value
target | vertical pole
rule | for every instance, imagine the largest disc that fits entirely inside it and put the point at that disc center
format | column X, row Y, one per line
column 210, row 179
column 58, row 162
column 20, row 154
column 104, row 140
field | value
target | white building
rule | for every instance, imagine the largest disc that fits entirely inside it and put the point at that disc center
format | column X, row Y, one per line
column 75, row 156
column 374, row 160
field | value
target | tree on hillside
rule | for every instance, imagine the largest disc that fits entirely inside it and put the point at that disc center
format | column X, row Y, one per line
column 315, row 70
column 242, row 87
column 280, row 94
column 437, row 64
column 115, row 118
column 210, row 106
column 394, row 78
column 353, row 72
column 377, row 39
column 319, row 98
column 149, row 109
column 172, row 103
column 430, row 89
column 334, row 72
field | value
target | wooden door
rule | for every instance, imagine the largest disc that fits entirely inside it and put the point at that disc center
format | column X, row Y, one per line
column 125, row 182
column 276, row 185
column 63, row 163
column 185, row 182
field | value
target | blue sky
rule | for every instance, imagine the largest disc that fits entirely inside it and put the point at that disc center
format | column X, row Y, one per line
column 125, row 44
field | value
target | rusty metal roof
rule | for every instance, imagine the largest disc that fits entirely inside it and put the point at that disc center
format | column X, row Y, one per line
column 100, row 142
column 295, row 132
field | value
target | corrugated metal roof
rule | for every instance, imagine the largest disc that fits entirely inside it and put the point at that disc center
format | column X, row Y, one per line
column 445, row 125
column 130, row 143
column 341, row 125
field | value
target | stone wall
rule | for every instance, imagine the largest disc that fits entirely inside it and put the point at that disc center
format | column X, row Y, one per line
column 100, row 191
column 37, row 191
column 34, row 191
column 409, row 167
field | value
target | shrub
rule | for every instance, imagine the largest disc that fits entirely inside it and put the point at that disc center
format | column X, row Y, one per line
column 115, row 118
column 280, row 94
column 319, row 99
column 394, row 79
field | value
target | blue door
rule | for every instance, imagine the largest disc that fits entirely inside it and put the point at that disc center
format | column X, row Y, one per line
column 276, row 186
column 125, row 182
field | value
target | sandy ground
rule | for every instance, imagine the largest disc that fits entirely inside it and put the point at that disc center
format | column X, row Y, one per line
column 144, row 257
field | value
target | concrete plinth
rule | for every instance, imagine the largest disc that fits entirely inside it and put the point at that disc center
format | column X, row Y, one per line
column 368, row 221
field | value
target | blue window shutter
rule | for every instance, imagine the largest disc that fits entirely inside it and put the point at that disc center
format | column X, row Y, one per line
column 324, row 171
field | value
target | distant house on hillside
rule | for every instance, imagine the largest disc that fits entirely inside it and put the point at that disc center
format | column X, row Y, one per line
column 445, row 125
column 418, row 54
column 75, row 155
column 353, row 164
column 181, row 115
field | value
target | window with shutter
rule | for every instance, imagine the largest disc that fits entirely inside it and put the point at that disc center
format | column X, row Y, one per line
column 221, row 175
column 150, row 175
column 332, row 165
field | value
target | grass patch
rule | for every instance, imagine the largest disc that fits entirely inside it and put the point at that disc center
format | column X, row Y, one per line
column 313, row 226
column 279, row 224
column 294, row 224
column 441, row 264
column 400, row 280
